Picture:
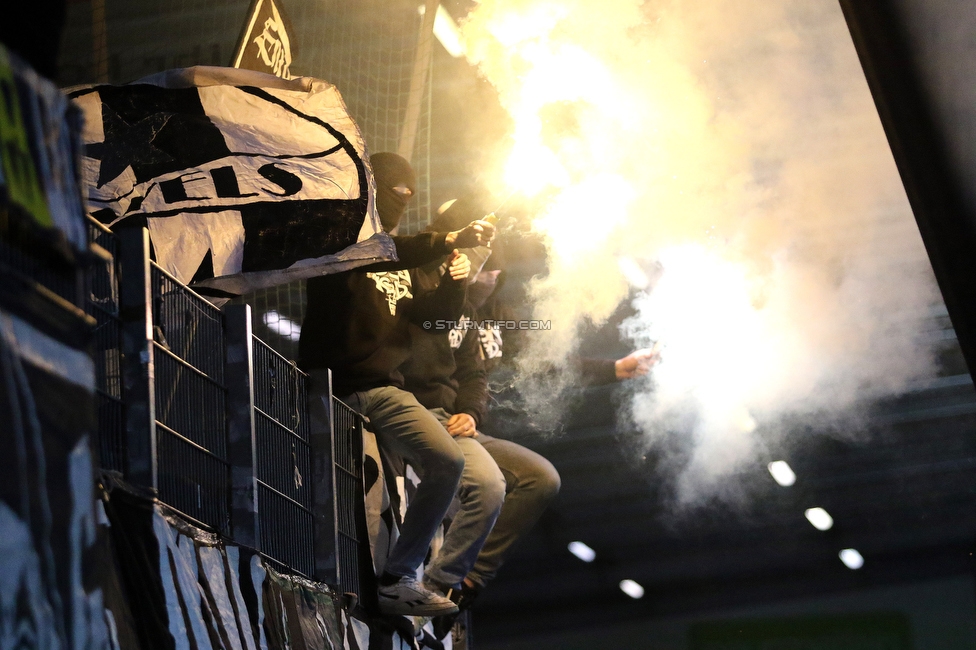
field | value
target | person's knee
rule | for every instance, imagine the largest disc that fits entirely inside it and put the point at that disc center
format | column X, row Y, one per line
column 493, row 488
column 547, row 480
column 482, row 477
column 447, row 462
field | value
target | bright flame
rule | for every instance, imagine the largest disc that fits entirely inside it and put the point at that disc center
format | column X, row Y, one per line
column 569, row 221
column 560, row 87
column 513, row 26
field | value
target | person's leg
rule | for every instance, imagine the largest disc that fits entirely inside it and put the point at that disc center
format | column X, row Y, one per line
column 531, row 484
column 481, row 493
column 403, row 426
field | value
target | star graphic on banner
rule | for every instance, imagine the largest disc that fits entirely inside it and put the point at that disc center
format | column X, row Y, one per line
column 127, row 144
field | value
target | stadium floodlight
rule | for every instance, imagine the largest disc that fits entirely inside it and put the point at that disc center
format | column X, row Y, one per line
column 632, row 589
column 782, row 473
column 582, row 551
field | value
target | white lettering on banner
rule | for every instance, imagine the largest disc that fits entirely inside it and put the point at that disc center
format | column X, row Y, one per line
column 295, row 154
column 234, row 182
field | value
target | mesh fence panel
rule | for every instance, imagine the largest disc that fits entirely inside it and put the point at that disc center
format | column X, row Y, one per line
column 191, row 426
column 348, row 467
column 142, row 37
column 284, row 461
column 102, row 304
column 366, row 48
column 193, row 480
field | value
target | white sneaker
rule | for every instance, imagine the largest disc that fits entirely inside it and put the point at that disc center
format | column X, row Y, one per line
column 407, row 597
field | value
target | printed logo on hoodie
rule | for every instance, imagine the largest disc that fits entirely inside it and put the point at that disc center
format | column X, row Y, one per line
column 395, row 284
column 491, row 342
column 456, row 336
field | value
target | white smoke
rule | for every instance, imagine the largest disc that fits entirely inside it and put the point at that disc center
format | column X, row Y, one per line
column 735, row 142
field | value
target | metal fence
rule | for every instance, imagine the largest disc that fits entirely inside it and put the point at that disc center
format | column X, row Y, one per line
column 102, row 304
column 350, row 516
column 283, row 459
column 192, row 466
column 195, row 406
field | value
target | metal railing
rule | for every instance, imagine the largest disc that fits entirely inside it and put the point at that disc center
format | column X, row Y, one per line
column 192, row 466
column 216, row 422
column 347, row 461
column 102, row 304
column 297, row 465
column 283, row 459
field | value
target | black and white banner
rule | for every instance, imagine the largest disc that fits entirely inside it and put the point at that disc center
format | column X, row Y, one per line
column 187, row 590
column 245, row 180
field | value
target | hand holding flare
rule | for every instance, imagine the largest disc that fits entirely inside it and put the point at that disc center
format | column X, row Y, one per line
column 477, row 233
column 638, row 363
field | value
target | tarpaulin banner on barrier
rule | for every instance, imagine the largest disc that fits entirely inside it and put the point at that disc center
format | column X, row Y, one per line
column 188, row 590
column 52, row 594
column 245, row 180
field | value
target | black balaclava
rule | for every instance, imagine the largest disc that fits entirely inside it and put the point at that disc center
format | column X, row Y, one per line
column 389, row 171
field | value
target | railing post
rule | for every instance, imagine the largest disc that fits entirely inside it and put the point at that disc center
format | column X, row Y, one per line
column 138, row 369
column 240, row 422
column 322, row 443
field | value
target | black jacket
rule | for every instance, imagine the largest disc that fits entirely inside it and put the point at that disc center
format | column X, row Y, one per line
column 499, row 347
column 446, row 369
column 356, row 322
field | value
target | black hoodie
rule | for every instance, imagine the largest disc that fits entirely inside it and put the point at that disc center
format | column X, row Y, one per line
column 356, row 322
column 446, row 369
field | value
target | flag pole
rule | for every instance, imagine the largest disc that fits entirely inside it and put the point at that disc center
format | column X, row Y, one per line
column 421, row 70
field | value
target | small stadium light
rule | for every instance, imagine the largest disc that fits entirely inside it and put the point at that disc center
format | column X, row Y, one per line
column 582, row 551
column 782, row 473
column 851, row 558
column 820, row 518
column 632, row 589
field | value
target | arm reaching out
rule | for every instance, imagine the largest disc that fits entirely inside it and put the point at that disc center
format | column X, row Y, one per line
column 477, row 233
column 637, row 363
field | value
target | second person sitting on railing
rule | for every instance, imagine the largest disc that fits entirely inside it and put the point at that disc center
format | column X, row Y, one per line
column 356, row 325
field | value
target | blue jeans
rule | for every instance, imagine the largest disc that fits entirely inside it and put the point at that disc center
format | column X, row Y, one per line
column 404, row 427
column 480, row 495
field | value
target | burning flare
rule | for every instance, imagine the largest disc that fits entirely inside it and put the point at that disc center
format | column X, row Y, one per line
column 736, row 144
